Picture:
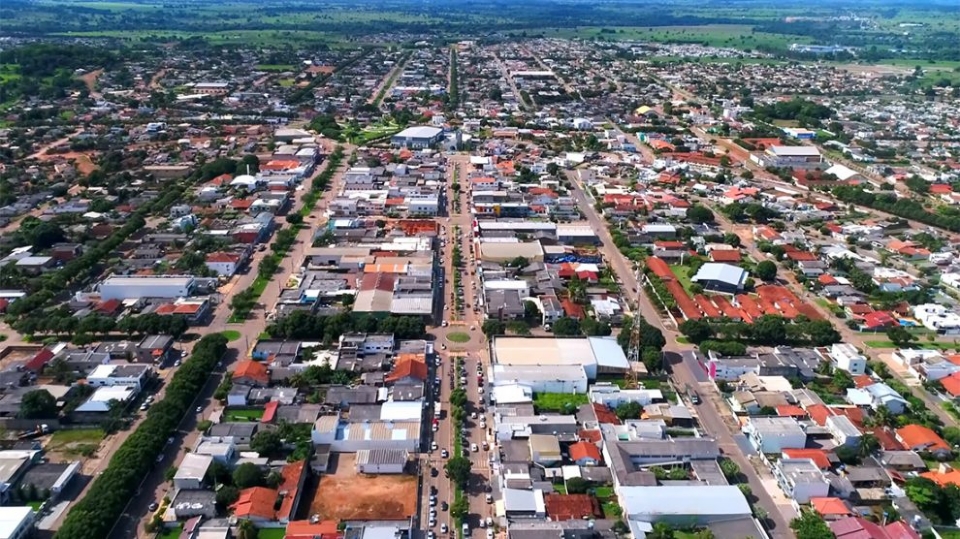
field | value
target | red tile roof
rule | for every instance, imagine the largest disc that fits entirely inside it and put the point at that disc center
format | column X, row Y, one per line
column 571, row 506
column 831, row 506
column 592, row 435
column 951, row 384
column 791, row 411
column 605, row 414
column 947, row 477
column 660, row 268
column 304, row 529
column 725, row 255
column 412, row 367
column 256, row 502
column 270, row 411
column 290, row 486
column 39, row 360
column 918, row 437
column 253, row 370
column 818, row 456
column 582, row 450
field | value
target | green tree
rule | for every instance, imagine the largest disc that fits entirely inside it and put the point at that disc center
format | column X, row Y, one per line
column 248, row 475
column 696, row 331
column 247, row 530
column 566, row 327
column 267, row 443
column 294, row 218
column 38, row 404
column 952, row 435
column 730, row 469
column 809, row 525
column 700, row 214
column 459, row 469
column 577, row 485
column 227, row 495
column 493, row 327
column 766, row 270
column 460, row 507
column 531, row 313
column 900, row 337
column 629, row 410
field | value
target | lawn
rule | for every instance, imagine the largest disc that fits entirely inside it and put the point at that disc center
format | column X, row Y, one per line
column 558, row 402
column 231, row 334
column 682, row 273
column 35, row 505
column 244, row 415
column 276, row 67
column 603, row 492
column 560, row 488
column 171, row 533
column 458, row 337
column 923, row 345
column 76, row 442
column 271, row 533
column 948, row 533
column 611, row 510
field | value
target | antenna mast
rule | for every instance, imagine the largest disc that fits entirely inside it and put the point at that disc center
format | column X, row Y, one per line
column 633, row 353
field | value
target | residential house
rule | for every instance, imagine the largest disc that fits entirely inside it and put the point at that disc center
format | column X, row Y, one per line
column 923, row 440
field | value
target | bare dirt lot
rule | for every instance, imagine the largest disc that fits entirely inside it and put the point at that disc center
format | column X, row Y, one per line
column 346, row 495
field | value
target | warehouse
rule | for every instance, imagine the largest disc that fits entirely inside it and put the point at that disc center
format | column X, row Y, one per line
column 722, row 278
column 417, row 137
column 594, row 354
column 381, row 461
column 500, row 252
column 542, row 379
column 139, row 287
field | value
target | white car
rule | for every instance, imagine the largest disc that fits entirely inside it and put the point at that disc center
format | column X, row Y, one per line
column 433, row 446
column 444, row 454
column 443, row 528
column 474, row 448
column 489, row 533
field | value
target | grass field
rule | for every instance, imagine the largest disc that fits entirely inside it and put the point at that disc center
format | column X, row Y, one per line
column 557, row 402
column 946, row 533
column 231, row 334
column 682, row 273
column 76, row 442
column 740, row 36
column 611, row 509
column 276, row 67
column 244, row 415
column 884, row 344
column 271, row 533
column 603, row 492
column 458, row 337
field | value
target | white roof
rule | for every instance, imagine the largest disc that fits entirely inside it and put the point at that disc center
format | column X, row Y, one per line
column 193, row 466
column 807, row 151
column 401, row 411
column 11, row 518
column 102, row 371
column 651, row 503
column 419, row 131
column 726, row 273
column 841, row 172
column 100, row 400
column 506, row 284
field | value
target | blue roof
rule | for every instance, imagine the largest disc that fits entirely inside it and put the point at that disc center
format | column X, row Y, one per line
column 726, row 273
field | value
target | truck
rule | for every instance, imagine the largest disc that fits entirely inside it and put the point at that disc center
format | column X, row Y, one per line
column 29, row 434
column 438, row 411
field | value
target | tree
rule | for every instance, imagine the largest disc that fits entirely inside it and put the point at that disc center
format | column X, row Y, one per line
column 227, row 495
column 731, row 239
column 696, row 330
column 700, row 214
column 493, row 327
column 267, row 443
column 531, row 313
column 247, row 530
column 577, row 485
column 250, row 164
column 629, row 410
column 766, row 270
column 952, row 435
column 900, row 337
column 809, row 525
column 940, row 504
column 661, row 530
column 38, row 404
column 518, row 262
column 460, row 507
column 730, row 469
column 294, row 218
column 769, row 330
column 566, row 327
column 459, row 469
column 248, row 475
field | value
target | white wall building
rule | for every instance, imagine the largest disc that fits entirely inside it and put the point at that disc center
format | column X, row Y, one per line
column 16, row 522
column 611, row 395
column 774, row 434
column 938, row 318
column 137, row 287
column 545, row 379
column 119, row 375
column 846, row 357
column 801, row 479
column 191, row 471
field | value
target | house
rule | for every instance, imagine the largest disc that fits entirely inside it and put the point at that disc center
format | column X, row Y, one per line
column 235, row 433
column 191, row 471
column 701, row 505
column 408, row 368
column 585, row 454
column 545, row 449
column 224, row 264
column 154, row 349
column 831, row 508
column 846, row 357
column 251, row 373
column 923, row 440
column 774, row 434
column 519, row 503
column 883, row 395
column 861, row 528
column 572, row 507
column 381, row 461
column 801, row 479
column 722, row 278
column 944, row 475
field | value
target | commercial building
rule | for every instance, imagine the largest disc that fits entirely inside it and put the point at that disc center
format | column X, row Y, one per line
column 119, row 375
column 191, row 471
column 700, row 505
column 381, row 461
column 139, row 287
column 801, row 479
column 542, row 379
column 802, row 157
column 723, row 278
column 16, row 522
column 597, row 355
column 417, row 137
column 774, row 434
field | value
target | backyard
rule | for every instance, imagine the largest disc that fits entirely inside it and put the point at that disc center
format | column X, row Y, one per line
column 558, row 402
column 76, row 442
column 244, row 415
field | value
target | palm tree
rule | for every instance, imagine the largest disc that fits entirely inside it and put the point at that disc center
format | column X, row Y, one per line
column 661, row 530
column 867, row 445
column 246, row 530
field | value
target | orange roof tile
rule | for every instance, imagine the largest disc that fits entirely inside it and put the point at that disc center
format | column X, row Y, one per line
column 253, row 370
column 918, row 437
column 290, row 486
column 571, row 506
column 304, row 529
column 256, row 502
column 949, row 477
column 951, row 384
column 408, row 367
column 830, row 506
column 818, row 456
column 581, row 450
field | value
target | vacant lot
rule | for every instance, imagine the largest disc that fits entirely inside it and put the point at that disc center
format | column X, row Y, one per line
column 75, row 442
column 345, row 495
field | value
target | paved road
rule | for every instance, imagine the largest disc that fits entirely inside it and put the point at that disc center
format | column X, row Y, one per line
column 137, row 513
column 712, row 413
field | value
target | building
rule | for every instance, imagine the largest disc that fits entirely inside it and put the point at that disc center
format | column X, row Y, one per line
column 191, row 471
column 922, row 440
column 381, row 461
column 597, row 355
column 541, row 379
column 417, row 137
column 119, row 375
column 139, row 287
column 722, row 278
column 224, row 264
column 345, row 437
column 585, row 454
column 774, row 434
column 519, row 503
column 846, row 357
column 683, row 505
column 16, row 522
column 802, row 157
column 545, row 449
column 801, row 479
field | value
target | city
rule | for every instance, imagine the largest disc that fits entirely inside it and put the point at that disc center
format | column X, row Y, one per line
column 599, row 286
